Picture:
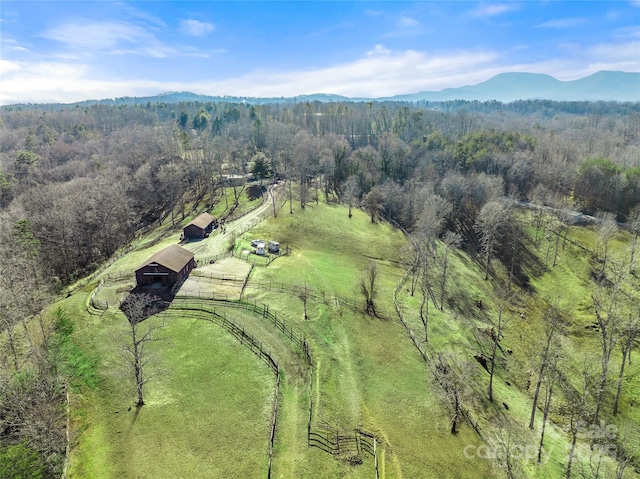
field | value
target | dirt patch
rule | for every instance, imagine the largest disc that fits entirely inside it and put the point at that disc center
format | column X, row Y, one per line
column 227, row 268
column 220, row 280
column 203, row 288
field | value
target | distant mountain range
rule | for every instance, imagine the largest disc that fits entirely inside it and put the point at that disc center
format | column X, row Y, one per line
column 505, row 87
column 508, row 87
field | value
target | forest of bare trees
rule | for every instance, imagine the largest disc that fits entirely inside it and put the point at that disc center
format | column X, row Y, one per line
column 85, row 179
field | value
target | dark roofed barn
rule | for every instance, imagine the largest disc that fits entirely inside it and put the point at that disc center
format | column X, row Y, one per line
column 166, row 268
column 201, row 225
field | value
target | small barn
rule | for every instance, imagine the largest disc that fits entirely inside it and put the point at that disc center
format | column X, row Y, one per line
column 200, row 227
column 166, row 268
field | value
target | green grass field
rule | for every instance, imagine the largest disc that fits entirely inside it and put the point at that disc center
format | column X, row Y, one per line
column 207, row 411
column 209, row 402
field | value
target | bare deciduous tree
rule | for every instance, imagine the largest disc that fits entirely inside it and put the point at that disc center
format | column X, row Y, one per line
column 629, row 330
column 634, row 225
column 137, row 308
column 553, row 324
column 368, row 288
column 424, row 244
column 606, row 231
column 578, row 408
column 552, row 375
column 503, row 299
column 491, row 219
column 452, row 375
column 372, row 203
column 509, row 457
column 304, row 296
column 450, row 241
column 607, row 304
column 350, row 191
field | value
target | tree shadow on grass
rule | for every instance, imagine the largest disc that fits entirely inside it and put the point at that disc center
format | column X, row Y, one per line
column 134, row 419
column 143, row 302
column 255, row 192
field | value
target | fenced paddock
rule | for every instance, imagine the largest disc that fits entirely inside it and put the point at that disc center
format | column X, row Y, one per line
column 339, row 443
column 222, row 279
column 254, row 345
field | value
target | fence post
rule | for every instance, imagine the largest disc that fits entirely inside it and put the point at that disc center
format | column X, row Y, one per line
column 375, row 456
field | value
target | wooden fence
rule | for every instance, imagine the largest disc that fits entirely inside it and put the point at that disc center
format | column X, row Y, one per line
column 254, row 259
column 213, row 306
column 256, row 347
column 331, row 440
column 344, row 443
column 95, row 303
column 213, row 258
column 337, row 442
column 310, row 292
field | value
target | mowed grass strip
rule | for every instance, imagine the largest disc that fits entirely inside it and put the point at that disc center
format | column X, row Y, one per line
column 207, row 412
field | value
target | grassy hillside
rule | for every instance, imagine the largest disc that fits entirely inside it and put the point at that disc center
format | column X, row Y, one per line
column 368, row 374
column 209, row 402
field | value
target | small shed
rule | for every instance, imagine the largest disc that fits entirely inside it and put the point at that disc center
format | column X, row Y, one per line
column 200, row 227
column 260, row 248
column 166, row 268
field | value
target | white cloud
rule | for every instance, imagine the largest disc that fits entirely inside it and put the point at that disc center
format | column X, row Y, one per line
column 562, row 23
column 97, row 35
column 85, row 38
column 127, row 11
column 378, row 50
column 409, row 22
column 7, row 67
column 59, row 82
column 493, row 9
column 9, row 44
column 374, row 76
column 196, row 28
column 380, row 72
column 383, row 74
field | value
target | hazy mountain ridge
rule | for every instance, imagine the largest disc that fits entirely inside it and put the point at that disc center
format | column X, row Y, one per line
column 508, row 87
column 504, row 87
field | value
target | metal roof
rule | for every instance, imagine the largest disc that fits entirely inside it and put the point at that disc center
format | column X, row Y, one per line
column 202, row 220
column 172, row 257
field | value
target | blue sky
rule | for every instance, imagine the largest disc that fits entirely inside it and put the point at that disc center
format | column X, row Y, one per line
column 64, row 51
